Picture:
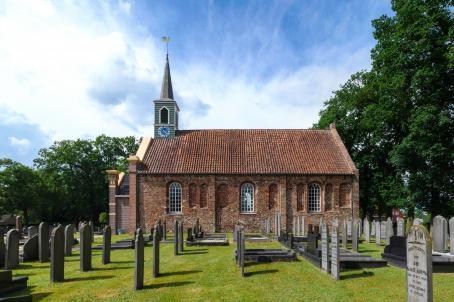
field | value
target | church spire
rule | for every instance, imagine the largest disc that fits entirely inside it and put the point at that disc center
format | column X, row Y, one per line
column 166, row 89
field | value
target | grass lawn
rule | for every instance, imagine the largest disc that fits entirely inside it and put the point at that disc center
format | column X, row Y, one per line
column 210, row 274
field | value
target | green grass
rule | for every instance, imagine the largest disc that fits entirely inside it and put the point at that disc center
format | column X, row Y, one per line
column 209, row 274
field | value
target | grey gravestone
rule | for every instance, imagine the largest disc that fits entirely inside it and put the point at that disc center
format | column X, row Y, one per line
column 349, row 227
column 43, row 232
column 163, row 236
column 242, row 250
column 19, row 224
column 335, row 222
column 451, row 233
column 278, row 233
column 269, row 225
column 31, row 249
column 445, row 229
column 175, row 238
column 383, row 230
column 235, row 233
column 57, row 255
column 12, row 249
column 298, row 228
column 335, row 253
column 106, row 243
column 181, row 238
column 419, row 265
column 366, row 230
column 438, row 234
column 372, row 228
column 2, row 250
column 156, row 254
column 69, row 239
column 355, row 231
column 32, row 231
column 400, row 227
column 139, row 260
column 92, row 233
column 294, row 226
column 85, row 248
column 417, row 221
column 344, row 235
column 325, row 248
column 378, row 232
column 389, row 230
column 303, row 230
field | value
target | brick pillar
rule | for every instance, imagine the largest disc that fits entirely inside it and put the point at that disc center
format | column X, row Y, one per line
column 113, row 183
column 132, row 170
column 355, row 195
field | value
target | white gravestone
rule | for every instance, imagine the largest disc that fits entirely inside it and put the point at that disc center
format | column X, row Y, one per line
column 372, row 229
column 366, row 230
column 400, row 227
column 335, row 261
column 451, row 237
column 325, row 248
column 439, row 233
column 377, row 232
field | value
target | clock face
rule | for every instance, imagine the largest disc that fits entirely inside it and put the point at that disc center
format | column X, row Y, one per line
column 164, row 131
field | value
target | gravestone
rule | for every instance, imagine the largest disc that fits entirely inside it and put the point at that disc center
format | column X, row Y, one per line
column 163, row 236
column 445, row 230
column 372, row 228
column 389, row 230
column 181, row 238
column 344, row 235
column 43, row 233
column 278, row 225
column 139, row 260
column 335, row 222
column 439, row 234
column 175, row 237
column 31, row 249
column 106, row 244
column 417, row 221
column 69, row 239
column 451, row 237
column 355, row 231
column 325, row 248
column 335, row 253
column 383, row 230
column 378, row 233
column 156, row 254
column 92, row 231
column 57, row 255
column 2, row 250
column 366, row 230
column 302, row 226
column 19, row 224
column 32, row 231
column 360, row 228
column 400, row 227
column 298, row 227
column 242, row 250
column 294, row 226
column 349, row 227
column 12, row 249
column 419, row 265
column 269, row 225
column 85, row 248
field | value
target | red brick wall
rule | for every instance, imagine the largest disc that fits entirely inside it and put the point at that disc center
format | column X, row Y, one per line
column 153, row 197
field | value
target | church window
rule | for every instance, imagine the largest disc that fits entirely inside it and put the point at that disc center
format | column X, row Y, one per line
column 247, row 198
column 314, row 198
column 203, row 196
column 174, row 198
column 164, row 113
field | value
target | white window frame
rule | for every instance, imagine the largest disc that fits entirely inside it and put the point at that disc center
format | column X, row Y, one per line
column 168, row 115
column 175, row 198
column 314, row 200
column 247, row 205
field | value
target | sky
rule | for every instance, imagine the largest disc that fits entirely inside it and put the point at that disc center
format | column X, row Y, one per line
column 78, row 69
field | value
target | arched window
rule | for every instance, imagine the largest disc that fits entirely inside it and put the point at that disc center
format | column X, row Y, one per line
column 192, row 195
column 344, row 195
column 164, row 113
column 247, row 198
column 328, row 197
column 174, row 198
column 203, row 196
column 272, row 197
column 314, row 198
column 300, row 197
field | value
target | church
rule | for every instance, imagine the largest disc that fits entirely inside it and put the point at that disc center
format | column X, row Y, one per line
column 225, row 176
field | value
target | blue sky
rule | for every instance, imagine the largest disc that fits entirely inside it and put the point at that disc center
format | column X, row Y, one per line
column 73, row 69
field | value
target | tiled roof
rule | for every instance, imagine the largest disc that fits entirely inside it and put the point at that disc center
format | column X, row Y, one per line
column 248, row 151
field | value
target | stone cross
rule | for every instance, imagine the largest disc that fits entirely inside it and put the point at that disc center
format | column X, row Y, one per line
column 355, row 231
column 366, row 230
column 12, row 249
column 378, row 232
column 419, row 265
column 85, row 248
column 106, row 244
column 69, row 239
column 344, row 235
column 389, row 230
column 31, row 249
column 92, row 233
column 156, row 254
column 175, row 238
column 325, row 248
column 400, row 227
column 139, row 260
column 181, row 238
column 451, row 233
column 32, row 231
column 439, row 234
column 43, row 232
column 335, row 253
column 57, row 255
column 2, row 250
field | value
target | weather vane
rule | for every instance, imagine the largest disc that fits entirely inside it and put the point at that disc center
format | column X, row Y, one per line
column 166, row 40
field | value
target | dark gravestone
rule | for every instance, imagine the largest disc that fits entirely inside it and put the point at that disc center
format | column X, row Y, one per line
column 190, row 238
column 237, row 236
column 397, row 246
column 312, row 243
column 92, row 233
column 57, row 255
column 106, row 243
column 181, row 238
column 325, row 248
column 355, row 233
column 156, row 254
column 335, row 254
column 242, row 251
column 12, row 249
column 85, row 248
column 164, row 231
column 31, row 249
column 69, row 239
column 139, row 260
column 32, row 231
column 419, row 265
column 2, row 250
column 43, row 241
column 175, row 238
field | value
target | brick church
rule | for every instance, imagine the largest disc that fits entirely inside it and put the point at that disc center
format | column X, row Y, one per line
column 231, row 175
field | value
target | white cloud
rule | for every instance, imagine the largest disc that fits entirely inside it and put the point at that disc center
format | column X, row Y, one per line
column 22, row 145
